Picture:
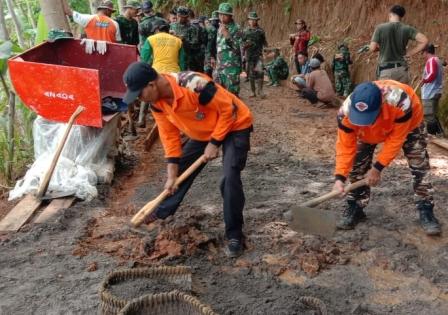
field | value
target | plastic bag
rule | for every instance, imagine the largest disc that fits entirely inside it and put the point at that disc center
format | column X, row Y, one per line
column 85, row 151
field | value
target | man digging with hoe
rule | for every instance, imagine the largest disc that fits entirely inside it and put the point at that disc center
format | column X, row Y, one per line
column 387, row 112
column 211, row 117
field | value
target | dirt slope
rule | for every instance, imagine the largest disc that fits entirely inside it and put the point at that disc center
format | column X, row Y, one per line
column 384, row 266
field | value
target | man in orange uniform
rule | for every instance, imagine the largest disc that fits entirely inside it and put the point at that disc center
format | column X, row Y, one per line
column 99, row 26
column 211, row 117
column 385, row 112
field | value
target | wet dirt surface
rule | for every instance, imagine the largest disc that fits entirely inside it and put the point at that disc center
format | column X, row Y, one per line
column 385, row 266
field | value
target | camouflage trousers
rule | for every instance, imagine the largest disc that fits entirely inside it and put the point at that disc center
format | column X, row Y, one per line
column 229, row 78
column 342, row 83
column 414, row 149
column 195, row 61
column 276, row 75
column 254, row 68
column 208, row 69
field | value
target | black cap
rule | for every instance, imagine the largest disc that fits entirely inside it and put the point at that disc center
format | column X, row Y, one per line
column 136, row 77
column 147, row 6
column 398, row 10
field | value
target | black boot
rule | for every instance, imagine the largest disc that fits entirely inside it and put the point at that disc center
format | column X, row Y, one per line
column 351, row 216
column 428, row 221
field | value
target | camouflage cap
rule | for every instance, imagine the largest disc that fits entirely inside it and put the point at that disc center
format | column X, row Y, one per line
column 183, row 11
column 253, row 16
column 107, row 5
column 225, row 8
column 55, row 34
column 214, row 16
column 132, row 4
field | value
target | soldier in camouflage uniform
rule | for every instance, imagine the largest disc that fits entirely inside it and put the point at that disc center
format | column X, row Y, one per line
column 191, row 38
column 277, row 69
column 128, row 24
column 198, row 45
column 210, row 51
column 341, row 63
column 391, row 113
column 145, row 27
column 228, row 46
column 254, row 39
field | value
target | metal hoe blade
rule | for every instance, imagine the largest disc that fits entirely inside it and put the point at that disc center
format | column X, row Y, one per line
column 313, row 221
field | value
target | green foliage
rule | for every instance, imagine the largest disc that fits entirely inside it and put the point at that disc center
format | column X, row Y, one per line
column 82, row 6
column 287, row 7
column 22, row 152
column 7, row 49
column 23, row 141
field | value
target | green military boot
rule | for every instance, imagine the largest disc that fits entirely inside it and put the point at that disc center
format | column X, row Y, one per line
column 428, row 221
column 351, row 216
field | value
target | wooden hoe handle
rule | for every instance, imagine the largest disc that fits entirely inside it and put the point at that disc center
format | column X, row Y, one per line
column 144, row 212
column 46, row 180
column 314, row 202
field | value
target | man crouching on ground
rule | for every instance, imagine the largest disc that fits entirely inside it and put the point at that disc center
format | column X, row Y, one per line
column 210, row 116
column 387, row 112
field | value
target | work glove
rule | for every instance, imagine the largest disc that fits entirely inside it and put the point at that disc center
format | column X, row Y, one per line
column 101, row 47
column 90, row 45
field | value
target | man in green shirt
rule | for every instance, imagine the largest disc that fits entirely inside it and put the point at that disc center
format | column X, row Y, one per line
column 391, row 40
column 128, row 24
column 254, row 39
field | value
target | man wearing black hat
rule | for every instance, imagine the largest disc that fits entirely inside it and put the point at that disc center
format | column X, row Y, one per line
column 391, row 40
column 210, row 117
column 391, row 113
column 145, row 27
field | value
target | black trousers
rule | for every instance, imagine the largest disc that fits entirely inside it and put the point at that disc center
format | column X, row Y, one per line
column 235, row 148
column 309, row 94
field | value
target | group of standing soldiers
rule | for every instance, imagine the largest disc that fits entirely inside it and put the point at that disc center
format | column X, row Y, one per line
column 217, row 46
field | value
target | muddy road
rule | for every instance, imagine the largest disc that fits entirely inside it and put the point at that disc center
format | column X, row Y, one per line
column 385, row 266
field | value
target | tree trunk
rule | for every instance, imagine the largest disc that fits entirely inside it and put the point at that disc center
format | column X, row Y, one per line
column 121, row 3
column 4, row 34
column 93, row 5
column 30, row 14
column 16, row 23
column 53, row 12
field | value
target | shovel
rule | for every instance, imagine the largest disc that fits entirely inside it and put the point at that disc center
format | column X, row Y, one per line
column 316, row 221
column 20, row 214
column 144, row 212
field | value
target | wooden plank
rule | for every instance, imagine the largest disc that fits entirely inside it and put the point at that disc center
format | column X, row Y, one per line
column 53, row 208
column 440, row 142
column 18, row 216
